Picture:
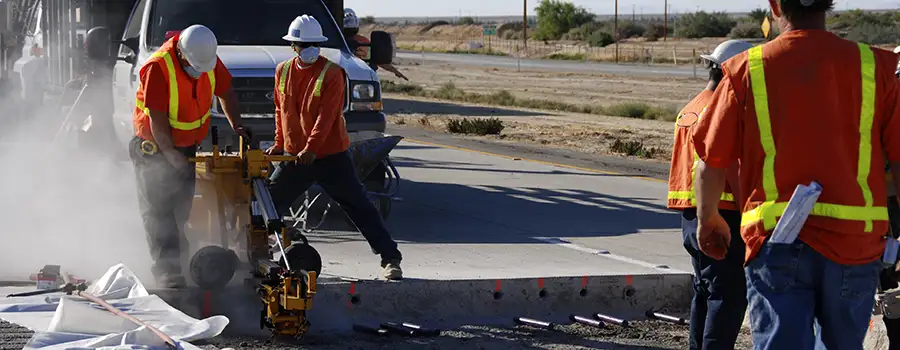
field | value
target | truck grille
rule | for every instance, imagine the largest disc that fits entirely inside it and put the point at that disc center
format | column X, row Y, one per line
column 255, row 95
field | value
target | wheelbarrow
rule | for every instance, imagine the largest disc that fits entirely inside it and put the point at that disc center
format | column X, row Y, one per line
column 368, row 155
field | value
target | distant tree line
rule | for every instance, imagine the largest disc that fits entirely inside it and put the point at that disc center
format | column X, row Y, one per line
column 563, row 20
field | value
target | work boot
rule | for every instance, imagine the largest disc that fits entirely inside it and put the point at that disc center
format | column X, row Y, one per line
column 391, row 270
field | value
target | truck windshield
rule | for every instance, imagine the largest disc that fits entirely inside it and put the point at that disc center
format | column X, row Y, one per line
column 240, row 22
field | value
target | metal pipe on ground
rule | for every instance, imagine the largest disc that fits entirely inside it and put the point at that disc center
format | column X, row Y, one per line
column 398, row 329
column 370, row 330
column 524, row 321
column 587, row 321
column 421, row 331
column 610, row 319
column 667, row 318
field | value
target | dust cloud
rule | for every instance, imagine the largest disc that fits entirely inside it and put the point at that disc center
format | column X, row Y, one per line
column 60, row 205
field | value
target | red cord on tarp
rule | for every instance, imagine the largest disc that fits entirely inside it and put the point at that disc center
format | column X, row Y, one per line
column 110, row 308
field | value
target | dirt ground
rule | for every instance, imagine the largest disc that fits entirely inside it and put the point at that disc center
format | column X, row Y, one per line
column 592, row 134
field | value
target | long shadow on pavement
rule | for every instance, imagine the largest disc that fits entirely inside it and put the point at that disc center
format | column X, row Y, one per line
column 452, row 213
column 392, row 106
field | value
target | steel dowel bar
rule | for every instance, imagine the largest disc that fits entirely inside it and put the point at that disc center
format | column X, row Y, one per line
column 610, row 319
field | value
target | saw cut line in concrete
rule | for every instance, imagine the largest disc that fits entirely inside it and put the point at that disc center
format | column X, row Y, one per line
column 606, row 254
column 534, row 161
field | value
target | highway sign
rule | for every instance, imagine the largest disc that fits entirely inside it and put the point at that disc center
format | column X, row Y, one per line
column 490, row 29
column 766, row 26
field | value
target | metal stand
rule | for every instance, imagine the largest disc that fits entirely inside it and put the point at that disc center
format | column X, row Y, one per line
column 300, row 217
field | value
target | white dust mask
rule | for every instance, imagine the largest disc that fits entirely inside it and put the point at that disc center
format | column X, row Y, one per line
column 309, row 55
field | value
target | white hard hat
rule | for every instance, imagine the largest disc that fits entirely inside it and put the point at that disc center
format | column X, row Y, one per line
column 727, row 50
column 350, row 18
column 305, row 29
column 198, row 45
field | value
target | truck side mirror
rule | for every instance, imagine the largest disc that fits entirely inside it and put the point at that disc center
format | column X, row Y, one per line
column 97, row 44
column 132, row 43
column 381, row 48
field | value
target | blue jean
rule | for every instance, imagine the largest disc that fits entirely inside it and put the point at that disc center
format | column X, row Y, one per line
column 720, row 290
column 793, row 289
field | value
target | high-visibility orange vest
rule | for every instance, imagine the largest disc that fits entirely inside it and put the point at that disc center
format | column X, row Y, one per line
column 766, row 214
column 682, row 194
column 188, row 112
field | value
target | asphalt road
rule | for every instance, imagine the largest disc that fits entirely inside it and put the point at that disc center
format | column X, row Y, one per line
column 512, row 213
column 551, row 65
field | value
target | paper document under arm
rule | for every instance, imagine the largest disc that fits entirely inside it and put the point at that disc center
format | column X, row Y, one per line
column 798, row 209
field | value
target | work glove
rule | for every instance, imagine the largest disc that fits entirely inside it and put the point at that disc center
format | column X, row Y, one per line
column 242, row 131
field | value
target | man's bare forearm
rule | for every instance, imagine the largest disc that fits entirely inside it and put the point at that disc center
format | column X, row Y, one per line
column 709, row 183
column 162, row 131
column 232, row 108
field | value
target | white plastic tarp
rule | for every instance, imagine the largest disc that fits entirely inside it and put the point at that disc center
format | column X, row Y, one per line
column 70, row 322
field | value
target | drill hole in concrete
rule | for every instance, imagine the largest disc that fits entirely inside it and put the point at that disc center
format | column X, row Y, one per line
column 498, row 295
column 542, row 294
column 354, row 299
column 583, row 292
column 629, row 292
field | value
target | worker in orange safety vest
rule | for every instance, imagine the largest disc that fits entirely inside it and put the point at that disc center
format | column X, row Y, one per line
column 890, row 276
column 357, row 42
column 720, row 293
column 805, row 107
column 310, row 92
column 171, row 118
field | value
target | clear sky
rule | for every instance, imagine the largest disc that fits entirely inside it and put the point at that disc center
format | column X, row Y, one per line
column 444, row 8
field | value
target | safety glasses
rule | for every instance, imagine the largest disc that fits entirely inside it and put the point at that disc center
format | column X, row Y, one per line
column 305, row 45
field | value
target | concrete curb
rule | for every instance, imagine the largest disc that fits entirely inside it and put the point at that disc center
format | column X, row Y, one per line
column 445, row 304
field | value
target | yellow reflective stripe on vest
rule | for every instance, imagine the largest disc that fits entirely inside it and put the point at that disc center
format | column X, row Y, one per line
column 771, row 209
column 285, row 67
column 866, row 119
column 761, row 100
column 319, row 82
column 688, row 195
column 691, row 195
column 173, row 96
column 282, row 84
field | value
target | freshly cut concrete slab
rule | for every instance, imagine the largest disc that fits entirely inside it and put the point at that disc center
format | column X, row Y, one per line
column 447, row 304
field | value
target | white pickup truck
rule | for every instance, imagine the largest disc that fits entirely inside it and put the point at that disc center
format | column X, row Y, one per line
column 251, row 45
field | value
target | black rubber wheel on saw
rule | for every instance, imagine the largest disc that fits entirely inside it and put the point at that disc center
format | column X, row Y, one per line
column 303, row 257
column 212, row 267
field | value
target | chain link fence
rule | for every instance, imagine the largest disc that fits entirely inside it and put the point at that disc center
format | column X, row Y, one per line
column 647, row 52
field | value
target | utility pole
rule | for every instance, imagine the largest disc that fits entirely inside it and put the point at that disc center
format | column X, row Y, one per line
column 632, row 13
column 665, row 19
column 616, row 31
column 525, row 25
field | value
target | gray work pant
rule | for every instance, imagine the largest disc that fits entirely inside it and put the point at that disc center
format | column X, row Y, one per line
column 165, row 196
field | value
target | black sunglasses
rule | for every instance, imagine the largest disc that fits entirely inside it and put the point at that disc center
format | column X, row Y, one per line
column 305, row 45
